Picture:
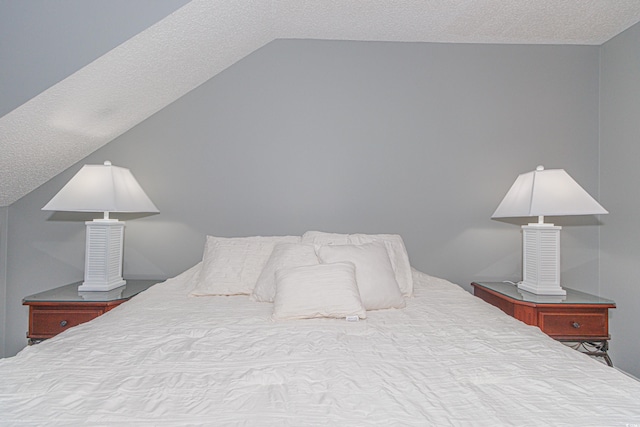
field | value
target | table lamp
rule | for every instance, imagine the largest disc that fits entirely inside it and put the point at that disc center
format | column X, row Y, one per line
column 543, row 193
column 102, row 188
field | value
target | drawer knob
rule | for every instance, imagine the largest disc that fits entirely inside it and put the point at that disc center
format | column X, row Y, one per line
column 63, row 323
column 576, row 325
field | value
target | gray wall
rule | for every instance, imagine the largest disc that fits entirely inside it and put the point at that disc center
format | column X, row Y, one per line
column 417, row 139
column 620, row 180
column 4, row 212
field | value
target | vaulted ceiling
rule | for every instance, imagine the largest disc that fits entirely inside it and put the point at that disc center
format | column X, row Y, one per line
column 95, row 102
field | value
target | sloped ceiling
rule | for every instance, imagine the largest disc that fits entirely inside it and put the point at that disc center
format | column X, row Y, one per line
column 109, row 96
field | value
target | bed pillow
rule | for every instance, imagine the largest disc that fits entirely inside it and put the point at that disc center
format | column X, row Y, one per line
column 323, row 290
column 231, row 265
column 395, row 247
column 284, row 255
column 397, row 255
column 375, row 277
column 320, row 238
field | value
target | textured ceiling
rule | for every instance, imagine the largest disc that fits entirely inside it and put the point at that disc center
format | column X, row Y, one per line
column 91, row 107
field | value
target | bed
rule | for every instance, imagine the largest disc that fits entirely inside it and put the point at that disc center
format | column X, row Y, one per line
column 184, row 353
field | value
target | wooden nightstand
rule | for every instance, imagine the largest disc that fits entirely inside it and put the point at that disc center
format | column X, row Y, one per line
column 578, row 317
column 56, row 310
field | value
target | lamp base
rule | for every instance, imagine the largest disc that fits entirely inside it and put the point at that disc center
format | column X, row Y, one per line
column 103, row 258
column 541, row 259
column 541, row 289
column 102, row 296
column 99, row 286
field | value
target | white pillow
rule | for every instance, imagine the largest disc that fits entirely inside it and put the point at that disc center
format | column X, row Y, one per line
column 284, row 255
column 376, row 279
column 397, row 255
column 323, row 290
column 395, row 247
column 231, row 265
column 320, row 238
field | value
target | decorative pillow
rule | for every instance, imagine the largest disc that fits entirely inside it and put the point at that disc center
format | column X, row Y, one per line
column 395, row 247
column 284, row 255
column 374, row 275
column 231, row 265
column 323, row 290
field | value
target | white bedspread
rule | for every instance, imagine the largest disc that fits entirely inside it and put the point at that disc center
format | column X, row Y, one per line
column 446, row 359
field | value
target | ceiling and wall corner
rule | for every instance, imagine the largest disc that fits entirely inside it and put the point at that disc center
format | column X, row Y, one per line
column 46, row 41
column 89, row 108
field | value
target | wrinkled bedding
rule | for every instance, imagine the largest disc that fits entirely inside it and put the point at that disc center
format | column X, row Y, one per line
column 448, row 358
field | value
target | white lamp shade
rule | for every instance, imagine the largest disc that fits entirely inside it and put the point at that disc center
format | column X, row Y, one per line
column 546, row 193
column 101, row 188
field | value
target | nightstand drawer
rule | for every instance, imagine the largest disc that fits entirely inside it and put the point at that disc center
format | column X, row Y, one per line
column 46, row 323
column 567, row 324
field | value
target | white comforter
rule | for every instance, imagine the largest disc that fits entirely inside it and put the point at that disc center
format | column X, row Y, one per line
column 448, row 358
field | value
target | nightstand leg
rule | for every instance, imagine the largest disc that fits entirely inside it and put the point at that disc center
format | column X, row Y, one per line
column 592, row 348
column 603, row 350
